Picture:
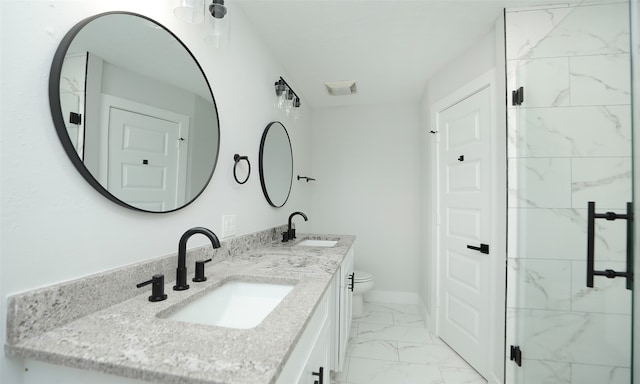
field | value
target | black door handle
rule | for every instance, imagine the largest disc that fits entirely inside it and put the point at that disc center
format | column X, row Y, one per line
column 591, row 234
column 483, row 248
column 352, row 277
column 320, row 375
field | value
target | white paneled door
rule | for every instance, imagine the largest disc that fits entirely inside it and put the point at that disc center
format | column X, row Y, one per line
column 146, row 160
column 464, row 188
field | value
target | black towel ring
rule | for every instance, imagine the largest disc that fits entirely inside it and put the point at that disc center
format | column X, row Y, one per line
column 237, row 158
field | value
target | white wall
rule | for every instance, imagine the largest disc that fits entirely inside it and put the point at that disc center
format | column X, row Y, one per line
column 366, row 161
column 54, row 226
column 479, row 59
column 426, row 204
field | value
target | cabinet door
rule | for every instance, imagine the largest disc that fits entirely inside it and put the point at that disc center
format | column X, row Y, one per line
column 317, row 370
column 346, row 296
column 314, row 343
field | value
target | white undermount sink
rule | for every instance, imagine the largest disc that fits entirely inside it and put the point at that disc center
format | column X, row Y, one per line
column 235, row 304
column 318, row 243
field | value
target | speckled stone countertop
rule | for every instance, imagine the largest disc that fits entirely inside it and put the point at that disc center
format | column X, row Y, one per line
column 132, row 339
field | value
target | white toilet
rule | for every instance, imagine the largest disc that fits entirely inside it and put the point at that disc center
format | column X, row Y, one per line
column 362, row 283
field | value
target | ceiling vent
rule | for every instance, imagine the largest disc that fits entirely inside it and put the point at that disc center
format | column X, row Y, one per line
column 341, row 88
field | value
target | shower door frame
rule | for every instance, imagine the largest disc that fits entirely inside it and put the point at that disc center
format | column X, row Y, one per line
column 634, row 8
column 635, row 182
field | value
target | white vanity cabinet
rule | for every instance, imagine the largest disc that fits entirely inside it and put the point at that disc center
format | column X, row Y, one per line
column 342, row 303
column 323, row 345
column 313, row 350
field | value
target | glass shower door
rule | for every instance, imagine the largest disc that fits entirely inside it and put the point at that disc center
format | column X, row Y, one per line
column 569, row 143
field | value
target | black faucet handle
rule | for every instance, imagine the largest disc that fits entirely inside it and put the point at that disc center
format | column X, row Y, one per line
column 200, row 277
column 157, row 288
column 285, row 236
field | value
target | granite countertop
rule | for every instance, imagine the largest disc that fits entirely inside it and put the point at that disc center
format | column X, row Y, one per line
column 130, row 339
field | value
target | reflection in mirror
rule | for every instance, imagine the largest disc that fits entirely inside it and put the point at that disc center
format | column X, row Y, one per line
column 276, row 164
column 134, row 112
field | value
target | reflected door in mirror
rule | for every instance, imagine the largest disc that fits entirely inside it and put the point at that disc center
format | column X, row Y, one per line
column 147, row 159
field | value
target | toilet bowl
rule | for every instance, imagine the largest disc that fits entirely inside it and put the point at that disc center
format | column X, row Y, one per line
column 362, row 283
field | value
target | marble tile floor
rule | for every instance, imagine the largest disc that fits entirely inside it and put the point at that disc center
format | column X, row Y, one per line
column 391, row 345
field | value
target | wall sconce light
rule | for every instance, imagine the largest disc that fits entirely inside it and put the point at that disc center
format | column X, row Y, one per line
column 217, row 26
column 287, row 99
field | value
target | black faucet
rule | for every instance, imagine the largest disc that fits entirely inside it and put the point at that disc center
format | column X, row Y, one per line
column 181, row 272
column 291, row 232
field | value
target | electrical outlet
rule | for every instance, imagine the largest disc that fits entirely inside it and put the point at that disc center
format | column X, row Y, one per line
column 229, row 225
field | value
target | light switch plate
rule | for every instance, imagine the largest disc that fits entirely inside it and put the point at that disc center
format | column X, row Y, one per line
column 229, row 225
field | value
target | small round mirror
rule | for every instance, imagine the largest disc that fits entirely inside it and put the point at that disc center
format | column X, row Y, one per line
column 134, row 112
column 276, row 164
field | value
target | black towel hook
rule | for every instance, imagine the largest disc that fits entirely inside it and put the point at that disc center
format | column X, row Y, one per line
column 306, row 178
column 237, row 158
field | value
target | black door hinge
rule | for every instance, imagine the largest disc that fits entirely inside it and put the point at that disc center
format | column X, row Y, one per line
column 516, row 355
column 517, row 96
column 75, row 118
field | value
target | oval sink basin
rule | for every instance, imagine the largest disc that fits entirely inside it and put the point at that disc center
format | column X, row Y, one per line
column 235, row 304
column 318, row 243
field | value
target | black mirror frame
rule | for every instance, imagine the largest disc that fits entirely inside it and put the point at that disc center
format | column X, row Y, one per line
column 261, row 165
column 58, row 119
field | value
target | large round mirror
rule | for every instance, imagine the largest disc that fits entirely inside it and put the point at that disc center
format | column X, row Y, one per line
column 134, row 112
column 276, row 164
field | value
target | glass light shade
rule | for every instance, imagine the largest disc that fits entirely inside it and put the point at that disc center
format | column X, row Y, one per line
column 280, row 87
column 296, row 113
column 281, row 92
column 280, row 101
column 288, row 104
column 189, row 11
column 217, row 32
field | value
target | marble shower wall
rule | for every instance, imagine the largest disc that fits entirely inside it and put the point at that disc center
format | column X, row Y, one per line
column 569, row 143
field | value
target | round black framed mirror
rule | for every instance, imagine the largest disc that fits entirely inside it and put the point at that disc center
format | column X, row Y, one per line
column 276, row 164
column 134, row 112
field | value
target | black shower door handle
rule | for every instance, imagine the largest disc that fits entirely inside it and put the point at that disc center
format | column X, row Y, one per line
column 483, row 248
column 591, row 234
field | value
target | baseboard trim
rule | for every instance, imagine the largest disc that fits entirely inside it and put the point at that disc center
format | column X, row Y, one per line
column 428, row 321
column 395, row 297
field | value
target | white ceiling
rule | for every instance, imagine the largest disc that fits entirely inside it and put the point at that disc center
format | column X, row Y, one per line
column 391, row 48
